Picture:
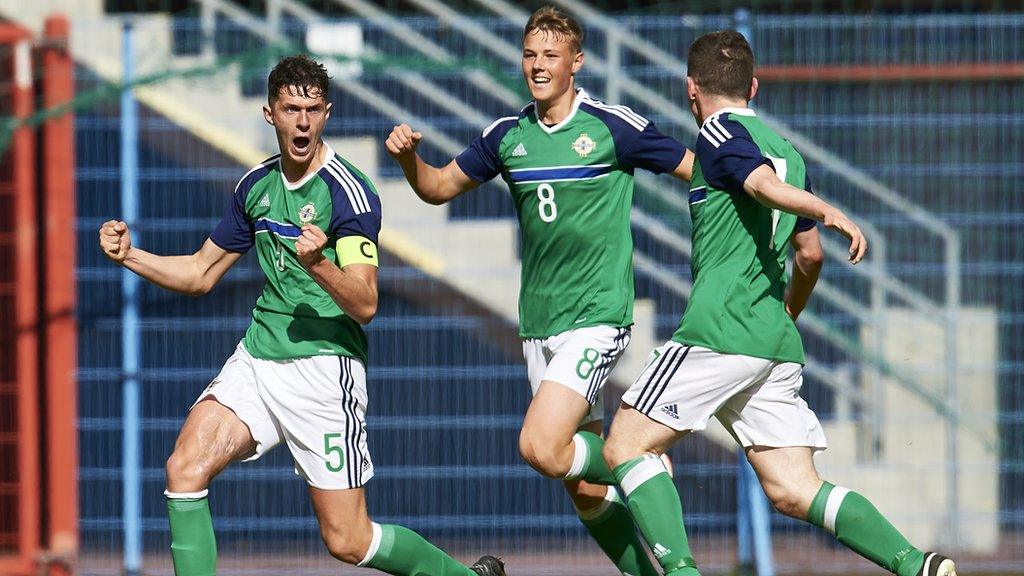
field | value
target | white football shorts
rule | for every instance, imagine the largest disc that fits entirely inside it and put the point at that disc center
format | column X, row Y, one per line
column 580, row 359
column 316, row 405
column 757, row 400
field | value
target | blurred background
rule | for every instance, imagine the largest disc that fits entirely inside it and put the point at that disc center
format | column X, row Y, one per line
column 909, row 113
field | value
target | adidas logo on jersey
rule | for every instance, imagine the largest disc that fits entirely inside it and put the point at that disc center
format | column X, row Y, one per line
column 671, row 410
column 660, row 551
column 520, row 151
column 265, row 201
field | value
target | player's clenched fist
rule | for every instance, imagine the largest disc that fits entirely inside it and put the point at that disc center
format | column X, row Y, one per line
column 115, row 240
column 402, row 140
column 309, row 247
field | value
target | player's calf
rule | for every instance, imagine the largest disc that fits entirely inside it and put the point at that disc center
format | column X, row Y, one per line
column 585, row 495
column 847, row 515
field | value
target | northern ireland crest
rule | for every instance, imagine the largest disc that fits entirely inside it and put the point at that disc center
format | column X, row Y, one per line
column 584, row 145
column 307, row 213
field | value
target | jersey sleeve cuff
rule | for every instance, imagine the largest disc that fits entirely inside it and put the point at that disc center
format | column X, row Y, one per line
column 804, row 224
column 469, row 171
column 744, row 170
column 682, row 154
column 229, row 246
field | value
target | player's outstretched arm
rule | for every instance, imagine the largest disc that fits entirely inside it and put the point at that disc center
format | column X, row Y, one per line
column 765, row 187
column 194, row 274
column 807, row 259
column 353, row 288
column 684, row 171
column 433, row 185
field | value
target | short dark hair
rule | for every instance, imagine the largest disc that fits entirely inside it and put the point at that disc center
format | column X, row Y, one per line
column 552, row 20
column 301, row 71
column 722, row 64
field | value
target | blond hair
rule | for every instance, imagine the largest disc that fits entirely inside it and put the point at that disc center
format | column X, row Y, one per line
column 551, row 20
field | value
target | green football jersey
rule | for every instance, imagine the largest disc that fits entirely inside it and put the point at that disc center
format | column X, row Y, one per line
column 740, row 245
column 572, row 185
column 294, row 317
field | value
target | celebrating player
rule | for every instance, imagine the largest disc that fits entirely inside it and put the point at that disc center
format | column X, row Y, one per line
column 737, row 354
column 298, row 375
column 568, row 161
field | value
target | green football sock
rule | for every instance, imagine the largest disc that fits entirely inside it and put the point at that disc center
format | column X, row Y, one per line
column 588, row 464
column 193, row 545
column 859, row 526
column 655, row 505
column 402, row 552
column 612, row 527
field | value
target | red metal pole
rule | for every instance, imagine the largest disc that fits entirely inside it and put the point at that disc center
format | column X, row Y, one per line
column 26, row 314
column 60, row 328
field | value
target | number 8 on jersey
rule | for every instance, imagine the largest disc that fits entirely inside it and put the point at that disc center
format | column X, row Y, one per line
column 547, row 207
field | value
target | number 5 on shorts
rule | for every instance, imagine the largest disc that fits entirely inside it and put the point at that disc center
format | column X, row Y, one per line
column 331, row 448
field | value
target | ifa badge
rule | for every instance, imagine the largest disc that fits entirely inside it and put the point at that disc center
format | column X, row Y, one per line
column 307, row 213
column 584, row 145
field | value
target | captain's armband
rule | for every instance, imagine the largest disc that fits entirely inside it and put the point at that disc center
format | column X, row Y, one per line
column 356, row 250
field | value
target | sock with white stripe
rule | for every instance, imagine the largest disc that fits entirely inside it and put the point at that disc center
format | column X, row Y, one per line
column 399, row 551
column 859, row 526
column 588, row 464
column 193, row 544
column 654, row 503
column 612, row 527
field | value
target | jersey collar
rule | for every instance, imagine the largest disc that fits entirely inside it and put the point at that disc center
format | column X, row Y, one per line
column 305, row 179
column 730, row 110
column 581, row 94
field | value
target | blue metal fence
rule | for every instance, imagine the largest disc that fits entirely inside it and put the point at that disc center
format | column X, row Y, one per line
column 446, row 396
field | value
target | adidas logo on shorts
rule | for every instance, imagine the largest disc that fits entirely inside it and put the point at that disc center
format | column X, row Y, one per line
column 671, row 410
column 660, row 551
column 520, row 151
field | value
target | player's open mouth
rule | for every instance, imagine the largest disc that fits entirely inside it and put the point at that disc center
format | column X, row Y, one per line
column 301, row 143
column 537, row 80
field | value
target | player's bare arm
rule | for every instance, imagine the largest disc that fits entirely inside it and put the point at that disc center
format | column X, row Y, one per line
column 193, row 274
column 807, row 261
column 353, row 288
column 433, row 185
column 765, row 187
column 684, row 171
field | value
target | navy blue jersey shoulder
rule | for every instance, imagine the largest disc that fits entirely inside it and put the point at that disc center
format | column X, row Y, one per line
column 727, row 153
column 355, row 206
column 638, row 143
column 235, row 231
column 480, row 161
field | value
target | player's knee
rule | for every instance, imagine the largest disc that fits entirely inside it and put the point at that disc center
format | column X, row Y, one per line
column 346, row 544
column 184, row 474
column 786, row 500
column 543, row 457
column 615, row 453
